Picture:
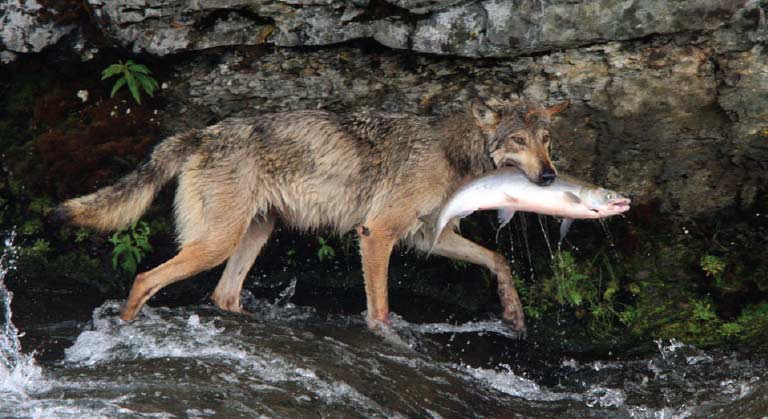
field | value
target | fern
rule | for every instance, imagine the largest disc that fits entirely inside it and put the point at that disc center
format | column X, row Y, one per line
column 135, row 76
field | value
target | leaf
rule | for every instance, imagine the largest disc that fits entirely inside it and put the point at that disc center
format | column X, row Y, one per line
column 146, row 83
column 136, row 254
column 145, row 246
column 133, row 87
column 118, row 84
column 139, row 68
column 120, row 248
column 111, row 71
column 129, row 264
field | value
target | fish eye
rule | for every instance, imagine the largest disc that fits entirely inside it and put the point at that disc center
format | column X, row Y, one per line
column 519, row 140
column 609, row 195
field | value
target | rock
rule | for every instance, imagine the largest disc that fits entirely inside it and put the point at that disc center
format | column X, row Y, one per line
column 24, row 30
column 487, row 28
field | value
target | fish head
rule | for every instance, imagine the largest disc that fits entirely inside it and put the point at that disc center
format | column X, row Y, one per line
column 604, row 202
column 519, row 136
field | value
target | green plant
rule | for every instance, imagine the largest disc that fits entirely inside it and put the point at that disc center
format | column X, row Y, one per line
column 325, row 251
column 134, row 76
column 713, row 267
column 131, row 245
column 81, row 234
column 568, row 286
column 702, row 311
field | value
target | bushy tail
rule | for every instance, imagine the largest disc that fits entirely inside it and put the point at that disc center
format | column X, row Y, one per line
column 121, row 204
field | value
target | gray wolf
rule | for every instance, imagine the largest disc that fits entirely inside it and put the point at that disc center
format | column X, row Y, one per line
column 380, row 174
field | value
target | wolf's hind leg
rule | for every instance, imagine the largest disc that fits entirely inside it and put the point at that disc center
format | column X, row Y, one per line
column 194, row 257
column 454, row 246
column 227, row 293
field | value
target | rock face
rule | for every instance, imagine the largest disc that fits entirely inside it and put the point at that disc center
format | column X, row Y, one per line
column 489, row 28
column 668, row 98
column 24, row 29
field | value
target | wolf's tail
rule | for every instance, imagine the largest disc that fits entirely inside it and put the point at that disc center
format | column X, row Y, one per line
column 124, row 202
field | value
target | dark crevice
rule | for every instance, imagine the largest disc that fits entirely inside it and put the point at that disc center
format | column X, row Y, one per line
column 215, row 16
column 381, row 9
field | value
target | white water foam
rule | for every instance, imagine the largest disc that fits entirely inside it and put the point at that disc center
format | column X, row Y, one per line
column 487, row 326
column 159, row 334
column 506, row 381
column 18, row 373
column 479, row 327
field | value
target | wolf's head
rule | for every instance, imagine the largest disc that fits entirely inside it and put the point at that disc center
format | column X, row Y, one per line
column 518, row 135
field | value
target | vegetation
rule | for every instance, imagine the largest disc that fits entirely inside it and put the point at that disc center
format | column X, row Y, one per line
column 325, row 251
column 131, row 245
column 713, row 267
column 132, row 75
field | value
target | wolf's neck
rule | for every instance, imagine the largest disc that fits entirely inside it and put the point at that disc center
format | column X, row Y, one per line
column 464, row 145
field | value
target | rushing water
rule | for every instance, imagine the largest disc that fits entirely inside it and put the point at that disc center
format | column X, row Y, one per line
column 289, row 361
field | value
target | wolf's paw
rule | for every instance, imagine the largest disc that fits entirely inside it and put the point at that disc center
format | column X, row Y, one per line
column 229, row 305
column 386, row 330
column 376, row 325
column 515, row 318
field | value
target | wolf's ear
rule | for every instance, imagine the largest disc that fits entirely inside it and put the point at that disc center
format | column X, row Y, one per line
column 556, row 109
column 485, row 117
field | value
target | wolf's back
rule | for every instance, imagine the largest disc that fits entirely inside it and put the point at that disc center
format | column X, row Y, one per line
column 121, row 204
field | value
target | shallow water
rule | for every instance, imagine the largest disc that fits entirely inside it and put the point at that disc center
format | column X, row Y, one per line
column 289, row 361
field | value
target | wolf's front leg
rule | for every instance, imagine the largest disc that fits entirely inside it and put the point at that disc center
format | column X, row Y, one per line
column 454, row 246
column 377, row 238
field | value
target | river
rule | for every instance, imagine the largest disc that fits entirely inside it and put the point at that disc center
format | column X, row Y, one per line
column 289, row 361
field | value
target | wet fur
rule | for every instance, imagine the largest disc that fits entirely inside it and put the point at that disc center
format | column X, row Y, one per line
column 383, row 174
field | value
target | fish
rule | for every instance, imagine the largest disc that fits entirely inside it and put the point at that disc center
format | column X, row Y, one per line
column 509, row 191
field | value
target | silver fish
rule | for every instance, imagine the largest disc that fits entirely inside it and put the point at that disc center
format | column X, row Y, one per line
column 508, row 190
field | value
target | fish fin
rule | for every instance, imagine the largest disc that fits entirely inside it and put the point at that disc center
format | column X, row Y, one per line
column 437, row 233
column 572, row 197
column 565, row 225
column 464, row 214
column 504, row 215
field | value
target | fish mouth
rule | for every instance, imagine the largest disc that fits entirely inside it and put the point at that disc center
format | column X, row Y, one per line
column 613, row 207
column 619, row 205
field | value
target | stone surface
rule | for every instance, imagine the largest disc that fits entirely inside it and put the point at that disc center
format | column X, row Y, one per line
column 22, row 30
column 487, row 28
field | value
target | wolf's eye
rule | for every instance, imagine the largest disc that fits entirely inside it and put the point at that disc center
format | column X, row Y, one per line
column 519, row 140
column 545, row 138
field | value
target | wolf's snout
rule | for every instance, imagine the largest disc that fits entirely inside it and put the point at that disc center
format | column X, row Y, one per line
column 547, row 176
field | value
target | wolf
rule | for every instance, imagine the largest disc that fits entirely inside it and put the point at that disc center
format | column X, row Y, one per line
column 383, row 175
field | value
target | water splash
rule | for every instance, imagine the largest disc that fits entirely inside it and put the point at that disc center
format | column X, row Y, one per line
column 485, row 326
column 18, row 372
column 546, row 237
column 527, row 247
